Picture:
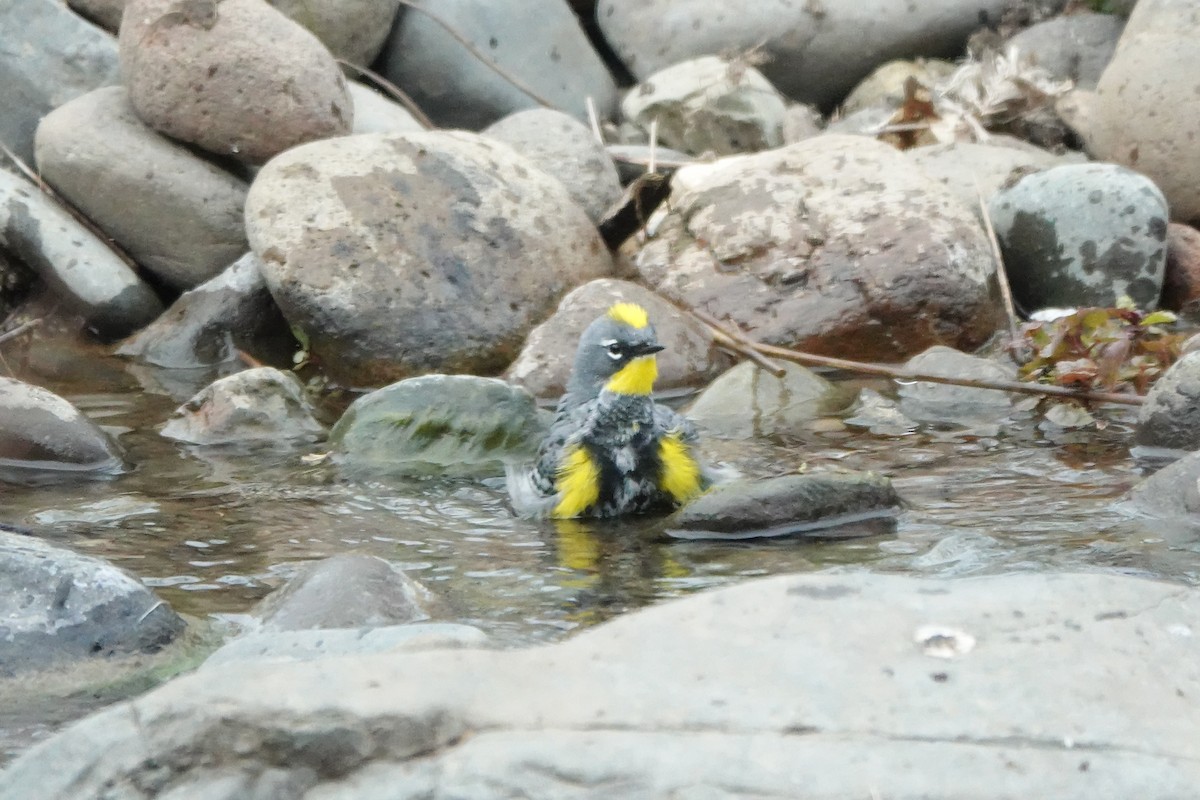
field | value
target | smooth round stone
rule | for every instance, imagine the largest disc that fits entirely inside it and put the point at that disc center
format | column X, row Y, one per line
column 42, row 432
column 255, row 405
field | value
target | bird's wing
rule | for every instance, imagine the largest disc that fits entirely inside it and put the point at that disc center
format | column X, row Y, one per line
column 533, row 487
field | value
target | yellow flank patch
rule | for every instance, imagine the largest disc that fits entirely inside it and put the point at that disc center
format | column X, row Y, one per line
column 578, row 483
column 631, row 314
column 680, row 471
column 636, row 377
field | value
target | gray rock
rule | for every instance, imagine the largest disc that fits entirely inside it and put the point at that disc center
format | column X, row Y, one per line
column 749, row 401
column 48, row 56
column 801, row 122
column 789, row 504
column 884, row 88
column 1170, row 417
column 1171, row 493
column 565, row 148
column 633, row 160
column 816, row 51
column 438, row 424
column 434, row 251
column 944, row 403
column 374, row 113
column 1075, row 47
column 255, row 405
column 545, row 362
column 311, row 645
column 971, row 170
column 879, row 415
column 176, row 214
column 208, row 324
column 16, row 281
column 836, row 244
column 542, row 45
column 58, row 607
column 709, row 105
column 1082, row 235
column 979, row 688
column 89, row 277
column 353, row 30
column 350, row 590
column 864, row 122
column 1144, row 112
column 105, row 13
column 235, row 77
column 41, row 431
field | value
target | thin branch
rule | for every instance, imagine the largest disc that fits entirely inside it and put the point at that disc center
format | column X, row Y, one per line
column 17, row 331
column 594, row 120
column 398, row 94
column 1010, row 308
column 737, row 342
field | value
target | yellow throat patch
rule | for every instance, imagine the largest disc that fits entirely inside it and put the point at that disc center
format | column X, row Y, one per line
column 680, row 471
column 636, row 377
column 630, row 314
column 578, row 483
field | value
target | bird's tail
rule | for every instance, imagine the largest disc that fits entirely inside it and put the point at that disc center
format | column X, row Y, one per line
column 526, row 498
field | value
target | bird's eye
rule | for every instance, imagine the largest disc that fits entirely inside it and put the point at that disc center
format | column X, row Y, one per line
column 615, row 350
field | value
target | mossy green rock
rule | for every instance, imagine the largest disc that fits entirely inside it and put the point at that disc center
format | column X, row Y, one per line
column 439, row 425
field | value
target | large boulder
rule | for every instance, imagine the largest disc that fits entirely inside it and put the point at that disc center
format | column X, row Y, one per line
column 835, row 244
column 416, row 252
column 542, row 45
column 1170, row 417
column 816, row 51
column 1075, row 47
column 41, row 431
column 235, row 77
column 816, row 686
column 49, row 56
column 177, row 214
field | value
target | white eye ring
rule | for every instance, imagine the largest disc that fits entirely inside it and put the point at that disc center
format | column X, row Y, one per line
column 614, row 349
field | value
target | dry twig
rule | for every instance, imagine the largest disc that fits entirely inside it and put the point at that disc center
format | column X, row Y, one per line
column 17, row 331
column 398, row 94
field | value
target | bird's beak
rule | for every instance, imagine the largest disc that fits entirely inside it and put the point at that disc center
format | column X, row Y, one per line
column 648, row 349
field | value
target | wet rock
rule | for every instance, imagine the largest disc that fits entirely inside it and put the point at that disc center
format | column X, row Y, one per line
column 1170, row 417
column 709, row 105
column 801, row 122
column 176, row 214
column 633, row 160
column 545, row 362
column 235, row 77
column 311, row 645
column 879, row 415
column 374, row 113
column 350, row 590
column 836, row 244
column 1181, row 280
column 58, row 607
column 865, row 122
column 816, row 52
column 209, row 324
column 416, row 252
column 1082, row 235
column 785, row 505
column 256, row 405
column 1144, row 112
column 105, row 13
column 944, row 403
column 971, row 170
column 439, row 424
column 542, row 45
column 748, row 401
column 353, row 30
column 1171, row 493
column 564, row 148
column 1074, row 47
column 16, row 281
column 49, row 56
column 884, row 88
column 885, row 675
column 41, row 431
column 108, row 294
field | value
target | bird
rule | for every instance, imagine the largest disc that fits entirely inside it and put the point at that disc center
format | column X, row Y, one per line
column 611, row 450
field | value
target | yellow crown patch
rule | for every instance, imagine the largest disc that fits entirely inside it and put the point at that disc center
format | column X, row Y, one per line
column 630, row 314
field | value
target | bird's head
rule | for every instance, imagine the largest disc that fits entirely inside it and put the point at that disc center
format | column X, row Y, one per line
column 616, row 352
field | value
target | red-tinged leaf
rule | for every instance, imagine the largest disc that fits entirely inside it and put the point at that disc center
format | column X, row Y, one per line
column 1081, row 371
column 1112, row 355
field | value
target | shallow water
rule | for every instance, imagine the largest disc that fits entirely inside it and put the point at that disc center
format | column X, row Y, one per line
column 214, row 530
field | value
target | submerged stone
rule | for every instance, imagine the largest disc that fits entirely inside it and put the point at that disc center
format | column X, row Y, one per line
column 256, row 405
column 439, row 424
column 40, row 431
column 748, row 401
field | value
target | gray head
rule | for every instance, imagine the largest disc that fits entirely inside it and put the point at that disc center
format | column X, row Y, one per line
column 621, row 342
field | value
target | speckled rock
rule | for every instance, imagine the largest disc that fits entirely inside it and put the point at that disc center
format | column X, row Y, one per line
column 48, row 55
column 202, row 71
column 709, row 105
column 545, row 362
column 836, row 244
column 1181, row 282
column 633, row 160
column 1144, row 113
column 108, row 294
column 176, row 214
column 374, row 113
column 817, row 51
column 353, row 30
column 40, row 431
column 885, row 86
column 1082, row 235
column 541, row 44
column 748, row 401
column 1074, row 47
column 565, row 148
column 416, row 252
column 1170, row 417
column 972, row 170
column 255, row 405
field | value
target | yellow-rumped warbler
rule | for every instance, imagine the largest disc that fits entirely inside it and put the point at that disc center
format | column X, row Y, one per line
column 611, row 449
